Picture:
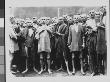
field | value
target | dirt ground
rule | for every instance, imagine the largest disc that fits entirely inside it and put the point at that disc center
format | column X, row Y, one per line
column 54, row 74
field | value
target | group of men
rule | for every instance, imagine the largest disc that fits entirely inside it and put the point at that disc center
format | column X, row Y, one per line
column 65, row 43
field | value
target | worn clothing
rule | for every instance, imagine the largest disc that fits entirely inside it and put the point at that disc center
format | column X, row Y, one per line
column 75, row 38
column 101, row 42
column 60, row 44
column 28, row 34
column 13, row 40
column 60, row 41
column 43, row 35
column 21, row 44
column 91, row 43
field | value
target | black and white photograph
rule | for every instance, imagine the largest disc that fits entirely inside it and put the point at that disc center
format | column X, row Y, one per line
column 56, row 40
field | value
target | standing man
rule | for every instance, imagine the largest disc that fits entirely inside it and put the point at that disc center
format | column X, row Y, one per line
column 60, row 31
column 43, row 35
column 84, row 52
column 29, row 34
column 14, row 48
column 101, row 43
column 75, row 40
column 92, row 39
column 21, row 44
column 103, row 19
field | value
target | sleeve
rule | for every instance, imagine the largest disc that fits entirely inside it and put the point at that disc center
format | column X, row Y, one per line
column 70, row 36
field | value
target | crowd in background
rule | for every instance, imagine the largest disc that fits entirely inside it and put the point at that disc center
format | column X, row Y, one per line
column 67, row 43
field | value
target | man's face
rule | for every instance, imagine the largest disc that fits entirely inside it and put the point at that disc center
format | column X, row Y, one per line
column 70, row 20
column 97, row 17
column 47, row 21
column 29, row 24
column 34, row 19
column 75, row 19
column 55, row 20
column 60, row 20
column 44, row 21
column 84, row 19
column 92, row 14
column 39, row 21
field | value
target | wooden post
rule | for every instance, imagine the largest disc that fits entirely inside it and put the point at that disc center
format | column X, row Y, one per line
column 58, row 12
